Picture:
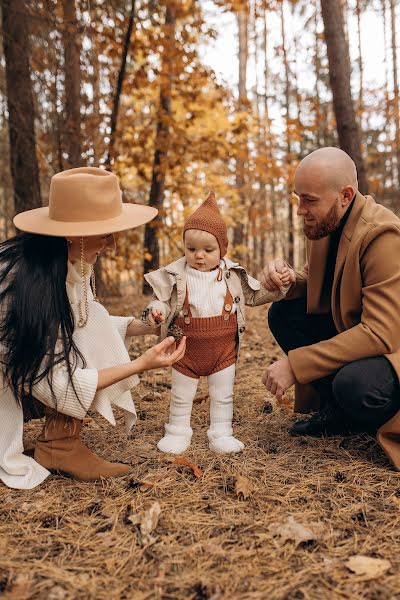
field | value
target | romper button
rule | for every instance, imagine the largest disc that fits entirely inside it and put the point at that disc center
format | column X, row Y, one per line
column 226, row 317
column 227, row 275
column 187, row 320
column 242, row 329
column 237, row 300
column 228, row 307
column 185, row 312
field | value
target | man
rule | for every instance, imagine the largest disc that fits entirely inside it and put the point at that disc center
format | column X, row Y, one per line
column 340, row 324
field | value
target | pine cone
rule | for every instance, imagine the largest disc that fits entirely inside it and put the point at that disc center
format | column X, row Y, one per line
column 176, row 332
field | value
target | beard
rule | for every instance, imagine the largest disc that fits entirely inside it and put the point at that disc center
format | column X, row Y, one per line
column 323, row 228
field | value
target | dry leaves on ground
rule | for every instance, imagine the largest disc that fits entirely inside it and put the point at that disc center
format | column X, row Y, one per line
column 367, row 567
column 292, row 530
column 243, row 487
column 182, row 460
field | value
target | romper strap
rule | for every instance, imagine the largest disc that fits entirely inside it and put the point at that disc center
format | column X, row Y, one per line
column 228, row 304
column 187, row 313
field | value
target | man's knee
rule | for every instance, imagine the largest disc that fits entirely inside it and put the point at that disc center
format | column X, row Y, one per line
column 276, row 316
column 349, row 388
column 366, row 383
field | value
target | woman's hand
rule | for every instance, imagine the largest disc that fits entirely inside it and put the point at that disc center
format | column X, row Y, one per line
column 164, row 354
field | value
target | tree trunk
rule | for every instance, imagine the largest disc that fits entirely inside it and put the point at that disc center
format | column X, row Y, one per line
column 24, row 166
column 268, row 150
column 72, row 71
column 396, row 109
column 360, row 66
column 152, row 252
column 238, row 232
column 120, row 82
column 339, row 77
column 290, row 232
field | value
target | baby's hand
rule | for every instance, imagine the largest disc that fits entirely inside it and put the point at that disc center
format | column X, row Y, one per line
column 155, row 317
column 287, row 276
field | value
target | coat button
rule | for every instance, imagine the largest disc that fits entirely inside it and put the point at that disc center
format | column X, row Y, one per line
column 242, row 329
column 227, row 275
column 228, row 307
column 185, row 312
column 187, row 320
column 237, row 300
column 226, row 317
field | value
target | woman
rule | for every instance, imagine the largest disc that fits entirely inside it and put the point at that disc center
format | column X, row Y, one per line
column 61, row 351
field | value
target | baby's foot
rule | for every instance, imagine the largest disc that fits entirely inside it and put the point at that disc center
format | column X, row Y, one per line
column 174, row 444
column 226, row 445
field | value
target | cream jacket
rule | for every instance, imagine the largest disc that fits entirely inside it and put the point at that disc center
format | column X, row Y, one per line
column 169, row 288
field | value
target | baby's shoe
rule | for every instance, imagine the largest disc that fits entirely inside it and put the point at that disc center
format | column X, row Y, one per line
column 222, row 441
column 176, row 439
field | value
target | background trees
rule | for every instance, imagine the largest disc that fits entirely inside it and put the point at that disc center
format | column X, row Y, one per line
column 127, row 84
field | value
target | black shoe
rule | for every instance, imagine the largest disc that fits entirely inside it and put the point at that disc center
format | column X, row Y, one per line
column 323, row 423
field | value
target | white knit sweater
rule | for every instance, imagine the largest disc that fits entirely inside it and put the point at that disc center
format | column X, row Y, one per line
column 206, row 293
column 103, row 344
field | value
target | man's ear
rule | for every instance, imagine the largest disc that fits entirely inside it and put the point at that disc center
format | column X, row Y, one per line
column 347, row 195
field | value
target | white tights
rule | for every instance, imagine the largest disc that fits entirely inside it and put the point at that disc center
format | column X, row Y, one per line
column 178, row 432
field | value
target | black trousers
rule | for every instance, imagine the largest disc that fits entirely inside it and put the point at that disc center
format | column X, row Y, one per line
column 366, row 391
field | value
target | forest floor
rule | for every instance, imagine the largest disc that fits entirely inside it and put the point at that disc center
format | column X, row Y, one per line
column 282, row 520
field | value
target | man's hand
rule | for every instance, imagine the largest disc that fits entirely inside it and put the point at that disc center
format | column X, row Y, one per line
column 279, row 377
column 272, row 275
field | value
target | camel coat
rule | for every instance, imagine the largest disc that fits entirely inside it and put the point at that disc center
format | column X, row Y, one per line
column 365, row 304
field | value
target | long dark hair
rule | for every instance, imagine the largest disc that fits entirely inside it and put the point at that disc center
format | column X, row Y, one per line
column 35, row 312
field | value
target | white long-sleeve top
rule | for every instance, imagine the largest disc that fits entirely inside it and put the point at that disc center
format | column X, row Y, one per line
column 206, row 293
column 103, row 343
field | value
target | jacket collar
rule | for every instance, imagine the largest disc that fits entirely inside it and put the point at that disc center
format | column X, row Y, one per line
column 178, row 266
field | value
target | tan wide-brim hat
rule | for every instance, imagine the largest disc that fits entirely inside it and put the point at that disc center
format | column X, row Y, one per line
column 83, row 202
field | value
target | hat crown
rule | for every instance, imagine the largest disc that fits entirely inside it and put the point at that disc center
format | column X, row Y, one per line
column 208, row 218
column 84, row 194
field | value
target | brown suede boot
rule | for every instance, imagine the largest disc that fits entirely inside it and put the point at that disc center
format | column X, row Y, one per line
column 59, row 448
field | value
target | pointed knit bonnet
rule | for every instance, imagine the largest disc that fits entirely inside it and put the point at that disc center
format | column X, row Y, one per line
column 208, row 218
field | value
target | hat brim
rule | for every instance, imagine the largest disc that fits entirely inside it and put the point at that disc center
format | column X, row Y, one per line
column 38, row 221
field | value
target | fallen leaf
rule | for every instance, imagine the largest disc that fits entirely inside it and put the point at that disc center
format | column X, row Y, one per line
column 243, row 487
column 150, row 519
column 200, row 399
column 149, row 481
column 369, row 568
column 395, row 500
column 182, row 460
column 291, row 530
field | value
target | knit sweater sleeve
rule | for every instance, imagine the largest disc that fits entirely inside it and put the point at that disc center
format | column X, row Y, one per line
column 65, row 399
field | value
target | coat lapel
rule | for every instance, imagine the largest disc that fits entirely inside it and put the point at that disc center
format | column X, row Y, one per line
column 343, row 249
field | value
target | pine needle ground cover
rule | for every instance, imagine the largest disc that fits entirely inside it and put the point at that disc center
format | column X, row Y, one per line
column 289, row 518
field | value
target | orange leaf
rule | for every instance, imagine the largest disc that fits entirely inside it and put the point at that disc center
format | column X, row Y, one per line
column 181, row 460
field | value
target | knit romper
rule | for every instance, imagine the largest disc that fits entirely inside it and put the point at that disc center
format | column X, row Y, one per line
column 211, row 341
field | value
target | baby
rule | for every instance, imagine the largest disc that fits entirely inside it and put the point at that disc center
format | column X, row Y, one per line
column 204, row 294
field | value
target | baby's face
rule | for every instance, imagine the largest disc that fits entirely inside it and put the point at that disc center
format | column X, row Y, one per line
column 201, row 250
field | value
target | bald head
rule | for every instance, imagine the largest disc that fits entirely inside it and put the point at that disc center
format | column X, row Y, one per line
column 329, row 168
column 325, row 182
